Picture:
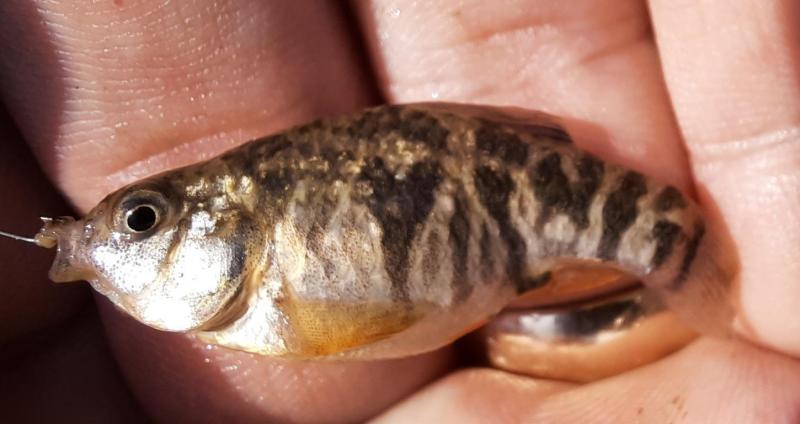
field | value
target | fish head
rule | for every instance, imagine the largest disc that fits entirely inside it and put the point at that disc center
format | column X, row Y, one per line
column 164, row 257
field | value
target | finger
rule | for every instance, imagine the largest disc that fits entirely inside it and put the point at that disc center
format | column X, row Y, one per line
column 487, row 396
column 710, row 381
column 593, row 61
column 113, row 93
column 732, row 73
column 29, row 303
column 223, row 385
column 142, row 88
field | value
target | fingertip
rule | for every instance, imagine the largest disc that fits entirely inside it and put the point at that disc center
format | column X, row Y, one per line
column 180, row 379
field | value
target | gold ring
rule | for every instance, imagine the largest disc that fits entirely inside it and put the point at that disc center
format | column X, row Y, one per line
column 585, row 341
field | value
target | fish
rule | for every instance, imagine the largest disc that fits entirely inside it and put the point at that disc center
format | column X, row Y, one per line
column 389, row 232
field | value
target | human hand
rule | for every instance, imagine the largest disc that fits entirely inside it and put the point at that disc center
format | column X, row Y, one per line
column 109, row 92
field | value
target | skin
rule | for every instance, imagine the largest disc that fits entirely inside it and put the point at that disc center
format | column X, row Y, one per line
column 107, row 93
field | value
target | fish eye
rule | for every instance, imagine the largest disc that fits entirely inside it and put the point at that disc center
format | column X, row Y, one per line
column 141, row 211
column 141, row 218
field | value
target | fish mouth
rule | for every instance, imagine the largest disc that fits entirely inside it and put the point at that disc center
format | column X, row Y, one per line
column 64, row 233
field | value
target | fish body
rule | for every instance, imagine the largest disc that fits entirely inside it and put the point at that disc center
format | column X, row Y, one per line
column 383, row 234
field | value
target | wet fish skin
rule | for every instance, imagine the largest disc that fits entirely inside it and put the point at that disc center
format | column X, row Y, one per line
column 385, row 233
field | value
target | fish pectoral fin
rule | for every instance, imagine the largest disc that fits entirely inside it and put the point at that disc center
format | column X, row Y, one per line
column 325, row 328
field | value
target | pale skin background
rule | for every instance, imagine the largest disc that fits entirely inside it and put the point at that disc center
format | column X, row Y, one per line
column 704, row 94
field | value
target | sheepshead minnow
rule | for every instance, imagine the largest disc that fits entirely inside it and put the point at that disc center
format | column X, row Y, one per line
column 387, row 233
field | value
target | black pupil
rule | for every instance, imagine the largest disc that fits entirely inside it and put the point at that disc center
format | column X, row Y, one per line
column 142, row 218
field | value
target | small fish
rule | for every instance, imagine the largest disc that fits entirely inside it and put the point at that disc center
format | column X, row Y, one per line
column 388, row 233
